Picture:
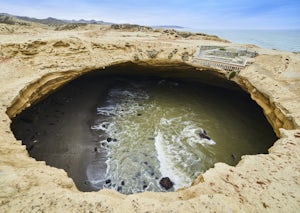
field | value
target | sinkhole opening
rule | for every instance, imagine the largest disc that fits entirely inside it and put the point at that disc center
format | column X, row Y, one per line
column 140, row 128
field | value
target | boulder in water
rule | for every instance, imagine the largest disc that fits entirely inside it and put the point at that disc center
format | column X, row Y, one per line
column 166, row 183
column 203, row 134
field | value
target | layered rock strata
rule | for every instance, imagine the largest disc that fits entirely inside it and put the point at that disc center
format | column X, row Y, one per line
column 35, row 62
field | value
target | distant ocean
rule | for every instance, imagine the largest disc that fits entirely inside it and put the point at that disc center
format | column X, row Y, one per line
column 287, row 40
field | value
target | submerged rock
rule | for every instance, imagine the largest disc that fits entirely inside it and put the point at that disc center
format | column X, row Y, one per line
column 166, row 183
column 203, row 134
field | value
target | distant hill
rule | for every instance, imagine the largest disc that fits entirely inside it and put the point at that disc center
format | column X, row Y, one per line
column 24, row 20
column 83, row 21
column 49, row 21
column 168, row 27
column 8, row 19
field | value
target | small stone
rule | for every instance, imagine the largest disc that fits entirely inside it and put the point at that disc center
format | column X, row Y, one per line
column 109, row 139
column 203, row 134
column 108, row 181
column 170, row 55
column 166, row 183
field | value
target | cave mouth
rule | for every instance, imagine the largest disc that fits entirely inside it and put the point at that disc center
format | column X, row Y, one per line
column 137, row 128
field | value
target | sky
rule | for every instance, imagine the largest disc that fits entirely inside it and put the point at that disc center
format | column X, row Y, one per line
column 198, row 14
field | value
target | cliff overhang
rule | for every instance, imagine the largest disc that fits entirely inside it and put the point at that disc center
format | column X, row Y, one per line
column 32, row 69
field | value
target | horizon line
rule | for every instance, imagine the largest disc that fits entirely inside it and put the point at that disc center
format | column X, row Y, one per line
column 156, row 25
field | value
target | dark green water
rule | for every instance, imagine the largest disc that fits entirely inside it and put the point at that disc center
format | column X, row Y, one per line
column 127, row 133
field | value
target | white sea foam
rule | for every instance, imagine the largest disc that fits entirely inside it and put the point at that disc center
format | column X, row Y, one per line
column 95, row 173
column 175, row 147
column 167, row 166
column 120, row 93
column 106, row 110
column 101, row 126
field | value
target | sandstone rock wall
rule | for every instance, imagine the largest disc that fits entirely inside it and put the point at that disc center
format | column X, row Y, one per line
column 34, row 64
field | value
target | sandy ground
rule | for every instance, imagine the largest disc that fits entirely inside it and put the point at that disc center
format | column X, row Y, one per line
column 36, row 61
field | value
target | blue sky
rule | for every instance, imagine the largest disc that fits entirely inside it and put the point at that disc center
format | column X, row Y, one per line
column 208, row 14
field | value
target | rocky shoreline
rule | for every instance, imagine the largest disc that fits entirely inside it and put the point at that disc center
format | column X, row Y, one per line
column 37, row 60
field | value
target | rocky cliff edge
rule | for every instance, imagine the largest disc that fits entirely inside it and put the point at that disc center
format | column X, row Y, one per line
column 36, row 60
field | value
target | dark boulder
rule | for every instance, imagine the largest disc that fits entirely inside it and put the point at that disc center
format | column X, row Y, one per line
column 166, row 183
column 203, row 134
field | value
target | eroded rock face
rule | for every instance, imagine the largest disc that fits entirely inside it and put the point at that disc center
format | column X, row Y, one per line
column 32, row 66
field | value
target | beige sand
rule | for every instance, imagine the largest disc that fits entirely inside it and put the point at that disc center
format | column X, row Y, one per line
column 36, row 60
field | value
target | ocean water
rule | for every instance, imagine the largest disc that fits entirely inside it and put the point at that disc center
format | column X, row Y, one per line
column 150, row 129
column 287, row 40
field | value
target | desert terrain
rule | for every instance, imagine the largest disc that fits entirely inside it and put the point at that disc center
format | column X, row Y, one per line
column 37, row 59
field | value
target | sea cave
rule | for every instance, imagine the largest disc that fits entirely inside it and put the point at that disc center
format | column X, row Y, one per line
column 136, row 128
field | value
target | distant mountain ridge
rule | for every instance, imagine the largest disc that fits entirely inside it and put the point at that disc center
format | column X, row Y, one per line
column 24, row 20
column 168, row 27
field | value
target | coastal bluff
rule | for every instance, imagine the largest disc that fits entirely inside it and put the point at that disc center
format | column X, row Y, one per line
column 36, row 60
